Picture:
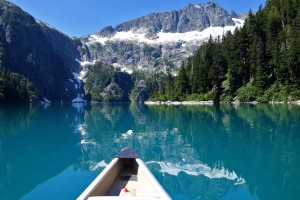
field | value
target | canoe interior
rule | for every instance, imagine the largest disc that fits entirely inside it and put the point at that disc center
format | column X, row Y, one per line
column 127, row 177
column 126, row 173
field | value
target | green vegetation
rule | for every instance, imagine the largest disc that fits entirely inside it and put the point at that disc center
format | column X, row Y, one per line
column 99, row 77
column 146, row 82
column 154, row 82
column 260, row 61
column 15, row 88
column 104, row 84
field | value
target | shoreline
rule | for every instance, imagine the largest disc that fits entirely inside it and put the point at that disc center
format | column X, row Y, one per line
column 210, row 103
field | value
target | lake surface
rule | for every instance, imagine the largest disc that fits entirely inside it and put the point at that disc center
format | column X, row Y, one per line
column 196, row 152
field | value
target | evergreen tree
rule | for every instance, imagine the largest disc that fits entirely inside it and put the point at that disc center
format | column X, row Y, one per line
column 260, row 61
column 181, row 83
column 170, row 95
column 15, row 88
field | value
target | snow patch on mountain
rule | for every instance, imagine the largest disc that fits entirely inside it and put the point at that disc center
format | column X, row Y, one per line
column 85, row 68
column 163, row 37
column 85, row 63
column 238, row 22
column 122, row 68
column 78, row 83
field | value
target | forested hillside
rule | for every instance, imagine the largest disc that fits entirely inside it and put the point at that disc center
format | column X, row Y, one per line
column 260, row 61
column 38, row 52
column 15, row 88
column 104, row 84
column 107, row 84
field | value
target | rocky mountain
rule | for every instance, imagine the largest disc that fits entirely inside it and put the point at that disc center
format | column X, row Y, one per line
column 39, row 52
column 190, row 18
column 159, row 39
column 57, row 64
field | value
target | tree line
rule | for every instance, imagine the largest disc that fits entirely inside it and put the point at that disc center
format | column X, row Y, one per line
column 260, row 61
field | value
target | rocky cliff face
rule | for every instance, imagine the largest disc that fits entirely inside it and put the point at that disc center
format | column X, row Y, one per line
column 159, row 39
column 39, row 52
column 190, row 18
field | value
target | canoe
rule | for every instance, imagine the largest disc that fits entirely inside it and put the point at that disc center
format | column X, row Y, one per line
column 125, row 177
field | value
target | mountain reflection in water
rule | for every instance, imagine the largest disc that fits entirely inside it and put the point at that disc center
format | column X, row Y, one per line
column 206, row 152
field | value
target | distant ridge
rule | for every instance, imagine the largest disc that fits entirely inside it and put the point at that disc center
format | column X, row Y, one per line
column 157, row 40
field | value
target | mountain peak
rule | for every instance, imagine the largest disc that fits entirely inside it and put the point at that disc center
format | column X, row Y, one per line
column 194, row 17
column 233, row 14
column 159, row 39
column 107, row 31
column 211, row 3
column 190, row 5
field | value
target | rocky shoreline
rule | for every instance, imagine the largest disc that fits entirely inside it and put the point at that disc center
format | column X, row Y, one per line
column 270, row 102
column 179, row 102
column 283, row 102
column 210, row 103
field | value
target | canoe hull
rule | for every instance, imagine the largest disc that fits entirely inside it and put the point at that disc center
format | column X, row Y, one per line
column 125, row 178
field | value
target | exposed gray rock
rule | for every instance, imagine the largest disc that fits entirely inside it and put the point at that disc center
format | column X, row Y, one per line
column 107, row 31
column 125, row 53
column 233, row 14
column 141, row 85
column 191, row 18
column 133, row 54
column 142, row 96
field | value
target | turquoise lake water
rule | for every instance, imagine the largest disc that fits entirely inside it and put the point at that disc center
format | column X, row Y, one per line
column 196, row 152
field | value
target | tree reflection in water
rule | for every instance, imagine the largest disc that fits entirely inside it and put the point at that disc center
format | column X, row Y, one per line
column 206, row 152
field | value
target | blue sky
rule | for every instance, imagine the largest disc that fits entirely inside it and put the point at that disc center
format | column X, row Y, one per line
column 82, row 17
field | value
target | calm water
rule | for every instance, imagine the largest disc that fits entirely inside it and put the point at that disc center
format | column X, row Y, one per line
column 196, row 152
